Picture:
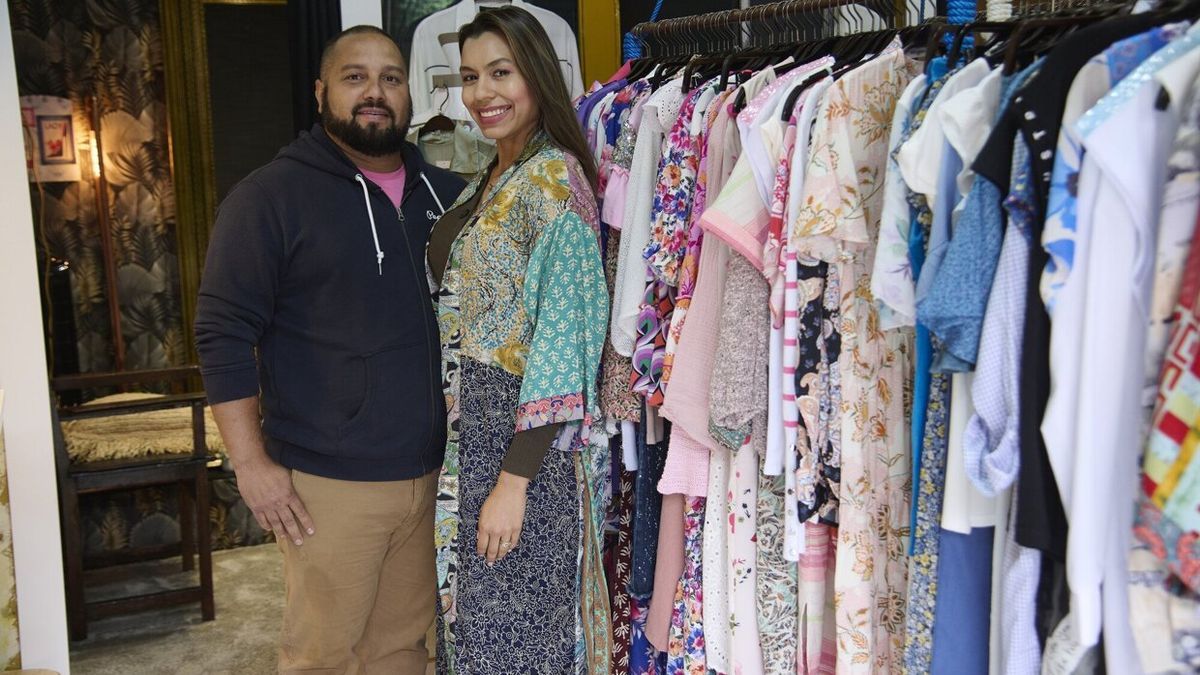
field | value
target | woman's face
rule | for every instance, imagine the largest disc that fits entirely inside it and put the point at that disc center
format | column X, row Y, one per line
column 495, row 92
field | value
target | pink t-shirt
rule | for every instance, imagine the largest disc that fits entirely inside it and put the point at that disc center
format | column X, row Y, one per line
column 391, row 182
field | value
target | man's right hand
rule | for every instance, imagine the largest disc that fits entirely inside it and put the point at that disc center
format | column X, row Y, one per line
column 266, row 486
column 267, row 489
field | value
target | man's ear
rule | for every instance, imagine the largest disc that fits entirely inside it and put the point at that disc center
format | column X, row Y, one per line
column 319, row 92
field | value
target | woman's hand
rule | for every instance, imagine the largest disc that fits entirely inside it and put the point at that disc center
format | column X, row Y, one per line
column 501, row 518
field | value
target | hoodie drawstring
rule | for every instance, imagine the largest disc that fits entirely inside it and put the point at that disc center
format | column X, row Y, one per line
column 434, row 193
column 371, row 215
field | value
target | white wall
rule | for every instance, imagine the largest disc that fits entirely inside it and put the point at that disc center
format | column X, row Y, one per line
column 358, row 12
column 27, row 431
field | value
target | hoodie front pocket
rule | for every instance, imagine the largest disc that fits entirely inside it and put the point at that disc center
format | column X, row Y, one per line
column 394, row 418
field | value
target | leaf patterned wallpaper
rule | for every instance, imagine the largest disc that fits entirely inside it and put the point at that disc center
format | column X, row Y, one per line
column 110, row 50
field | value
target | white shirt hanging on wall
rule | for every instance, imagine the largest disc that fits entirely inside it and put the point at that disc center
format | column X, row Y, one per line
column 433, row 65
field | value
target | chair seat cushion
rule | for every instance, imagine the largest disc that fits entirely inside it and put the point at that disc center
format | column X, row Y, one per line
column 141, row 434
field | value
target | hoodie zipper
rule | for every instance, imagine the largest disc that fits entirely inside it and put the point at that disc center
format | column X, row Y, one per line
column 428, row 304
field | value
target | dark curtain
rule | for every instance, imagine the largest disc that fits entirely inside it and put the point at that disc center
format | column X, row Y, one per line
column 310, row 25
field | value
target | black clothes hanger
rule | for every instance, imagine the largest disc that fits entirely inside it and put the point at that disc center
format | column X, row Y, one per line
column 1034, row 36
column 640, row 68
column 789, row 104
column 438, row 122
column 919, row 34
column 933, row 48
column 998, row 29
column 667, row 69
column 752, row 59
column 867, row 44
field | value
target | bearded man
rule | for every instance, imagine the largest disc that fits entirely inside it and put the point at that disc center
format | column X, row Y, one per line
column 319, row 352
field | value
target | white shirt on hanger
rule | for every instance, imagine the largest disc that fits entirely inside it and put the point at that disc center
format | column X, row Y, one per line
column 433, row 78
column 1127, row 140
column 920, row 157
column 1067, row 309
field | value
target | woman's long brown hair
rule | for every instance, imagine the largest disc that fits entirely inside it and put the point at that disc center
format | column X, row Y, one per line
column 535, row 58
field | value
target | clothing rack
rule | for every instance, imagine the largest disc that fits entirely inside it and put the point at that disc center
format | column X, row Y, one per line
column 1015, row 116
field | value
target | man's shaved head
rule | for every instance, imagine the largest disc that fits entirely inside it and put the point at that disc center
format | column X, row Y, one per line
column 327, row 53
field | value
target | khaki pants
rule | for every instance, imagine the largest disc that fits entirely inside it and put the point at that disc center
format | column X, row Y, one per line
column 361, row 592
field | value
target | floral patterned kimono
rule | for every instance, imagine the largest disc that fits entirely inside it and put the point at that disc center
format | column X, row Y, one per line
column 523, row 313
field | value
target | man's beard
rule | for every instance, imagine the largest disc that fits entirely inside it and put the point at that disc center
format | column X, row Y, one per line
column 374, row 140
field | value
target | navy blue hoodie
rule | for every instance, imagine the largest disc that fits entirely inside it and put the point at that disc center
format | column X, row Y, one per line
column 314, row 292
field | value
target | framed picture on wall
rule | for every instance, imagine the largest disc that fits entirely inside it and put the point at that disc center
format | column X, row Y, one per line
column 56, row 139
column 48, row 123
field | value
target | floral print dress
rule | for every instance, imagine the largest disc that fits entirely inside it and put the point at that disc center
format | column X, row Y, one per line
column 838, row 223
column 522, row 312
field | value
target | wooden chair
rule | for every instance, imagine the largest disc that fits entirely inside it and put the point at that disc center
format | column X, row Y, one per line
column 188, row 471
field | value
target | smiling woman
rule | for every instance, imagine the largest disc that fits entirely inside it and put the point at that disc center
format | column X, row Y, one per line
column 522, row 308
column 497, row 95
column 510, row 102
